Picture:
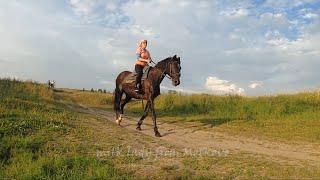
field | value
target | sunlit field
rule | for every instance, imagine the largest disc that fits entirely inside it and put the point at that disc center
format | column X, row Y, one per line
column 43, row 138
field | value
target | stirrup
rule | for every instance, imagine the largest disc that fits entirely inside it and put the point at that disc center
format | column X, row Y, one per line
column 137, row 88
column 138, row 91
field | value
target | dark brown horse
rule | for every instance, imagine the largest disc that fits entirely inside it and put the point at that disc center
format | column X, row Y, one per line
column 150, row 87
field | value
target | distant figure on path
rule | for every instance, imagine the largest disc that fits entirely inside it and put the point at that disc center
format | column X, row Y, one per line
column 51, row 84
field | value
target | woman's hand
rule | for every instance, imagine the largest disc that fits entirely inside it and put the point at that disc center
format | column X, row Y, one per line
column 144, row 60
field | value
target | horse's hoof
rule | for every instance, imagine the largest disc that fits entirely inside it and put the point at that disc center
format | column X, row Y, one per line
column 118, row 121
column 138, row 128
column 157, row 134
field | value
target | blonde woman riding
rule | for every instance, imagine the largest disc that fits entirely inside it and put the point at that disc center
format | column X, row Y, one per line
column 143, row 58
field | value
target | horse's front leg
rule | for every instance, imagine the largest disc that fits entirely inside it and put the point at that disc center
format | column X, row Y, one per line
column 154, row 118
column 125, row 101
column 145, row 114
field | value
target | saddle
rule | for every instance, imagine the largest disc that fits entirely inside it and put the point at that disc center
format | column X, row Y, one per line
column 132, row 76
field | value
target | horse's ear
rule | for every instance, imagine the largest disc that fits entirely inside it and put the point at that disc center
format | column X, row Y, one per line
column 175, row 56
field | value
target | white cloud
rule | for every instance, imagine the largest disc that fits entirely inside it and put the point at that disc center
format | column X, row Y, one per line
column 310, row 16
column 235, row 13
column 255, row 85
column 137, row 29
column 104, row 82
column 286, row 3
column 305, row 45
column 308, row 13
column 111, row 6
column 82, row 7
column 219, row 86
column 179, row 89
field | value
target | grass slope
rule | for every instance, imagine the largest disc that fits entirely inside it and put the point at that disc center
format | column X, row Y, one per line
column 33, row 135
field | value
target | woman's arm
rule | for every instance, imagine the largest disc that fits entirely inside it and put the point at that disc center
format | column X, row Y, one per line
column 142, row 59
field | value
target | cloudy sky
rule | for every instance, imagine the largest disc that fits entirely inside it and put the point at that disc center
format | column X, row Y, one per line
column 249, row 47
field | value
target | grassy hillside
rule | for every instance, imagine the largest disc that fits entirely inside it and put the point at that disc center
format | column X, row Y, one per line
column 34, row 133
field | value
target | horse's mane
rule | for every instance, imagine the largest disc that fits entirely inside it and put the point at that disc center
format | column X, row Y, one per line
column 162, row 64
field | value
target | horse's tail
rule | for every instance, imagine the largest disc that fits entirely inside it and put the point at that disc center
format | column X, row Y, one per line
column 117, row 99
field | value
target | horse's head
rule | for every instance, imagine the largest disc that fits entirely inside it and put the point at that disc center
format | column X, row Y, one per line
column 174, row 70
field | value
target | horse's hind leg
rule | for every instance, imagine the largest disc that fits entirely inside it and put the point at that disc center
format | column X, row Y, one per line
column 145, row 114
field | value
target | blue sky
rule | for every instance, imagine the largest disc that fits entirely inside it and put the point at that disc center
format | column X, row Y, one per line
column 249, row 47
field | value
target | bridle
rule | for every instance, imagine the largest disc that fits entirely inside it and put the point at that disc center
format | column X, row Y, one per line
column 170, row 70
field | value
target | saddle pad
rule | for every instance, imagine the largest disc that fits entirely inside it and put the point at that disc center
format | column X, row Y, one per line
column 132, row 76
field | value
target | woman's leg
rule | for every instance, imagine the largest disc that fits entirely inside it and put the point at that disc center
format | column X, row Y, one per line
column 139, row 71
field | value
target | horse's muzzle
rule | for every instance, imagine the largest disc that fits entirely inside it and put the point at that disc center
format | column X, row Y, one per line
column 176, row 82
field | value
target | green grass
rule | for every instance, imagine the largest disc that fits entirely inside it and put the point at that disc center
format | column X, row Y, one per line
column 287, row 117
column 242, row 166
column 33, row 128
column 238, row 107
column 88, row 98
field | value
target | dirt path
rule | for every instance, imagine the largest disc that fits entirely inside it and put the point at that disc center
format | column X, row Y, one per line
column 194, row 138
